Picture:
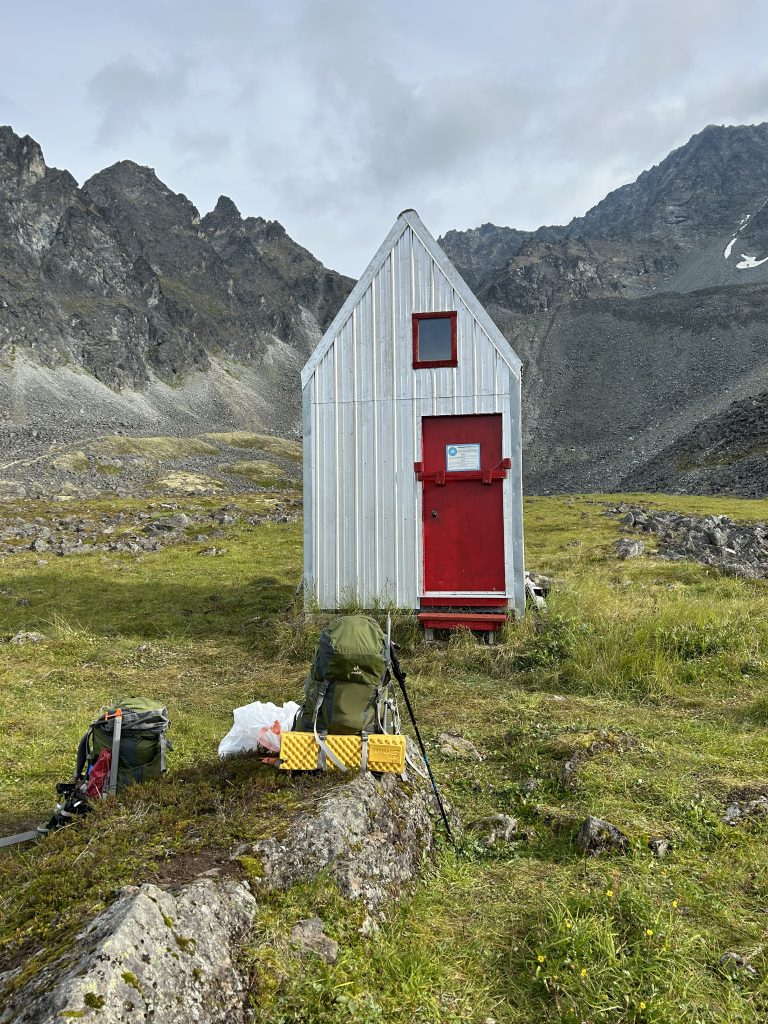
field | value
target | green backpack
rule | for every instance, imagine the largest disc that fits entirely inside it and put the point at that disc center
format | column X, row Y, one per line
column 347, row 689
column 135, row 732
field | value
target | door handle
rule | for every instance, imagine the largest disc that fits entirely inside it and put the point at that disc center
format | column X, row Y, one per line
column 434, row 514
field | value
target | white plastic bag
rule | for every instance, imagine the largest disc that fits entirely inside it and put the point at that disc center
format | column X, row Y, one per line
column 251, row 720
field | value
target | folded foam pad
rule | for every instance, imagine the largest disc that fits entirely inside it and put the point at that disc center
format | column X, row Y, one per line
column 299, row 751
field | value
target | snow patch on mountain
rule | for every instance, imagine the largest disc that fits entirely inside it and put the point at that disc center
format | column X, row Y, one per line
column 748, row 262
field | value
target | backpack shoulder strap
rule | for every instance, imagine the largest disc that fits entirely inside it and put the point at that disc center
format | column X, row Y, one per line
column 117, row 730
column 324, row 748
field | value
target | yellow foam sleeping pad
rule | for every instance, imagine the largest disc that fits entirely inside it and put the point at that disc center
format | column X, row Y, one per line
column 299, row 752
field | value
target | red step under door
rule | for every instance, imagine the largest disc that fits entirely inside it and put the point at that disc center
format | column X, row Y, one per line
column 462, row 473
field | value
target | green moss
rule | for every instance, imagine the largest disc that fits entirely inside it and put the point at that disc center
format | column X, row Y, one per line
column 282, row 446
column 94, row 1001
column 259, row 471
column 252, row 866
column 130, row 979
column 186, row 945
column 153, row 447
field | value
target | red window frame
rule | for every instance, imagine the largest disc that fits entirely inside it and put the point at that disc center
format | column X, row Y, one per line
column 420, row 364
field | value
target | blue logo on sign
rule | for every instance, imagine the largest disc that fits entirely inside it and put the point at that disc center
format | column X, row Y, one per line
column 453, row 450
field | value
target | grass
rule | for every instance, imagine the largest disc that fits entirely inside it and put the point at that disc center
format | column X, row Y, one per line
column 153, row 447
column 177, row 480
column 670, row 654
column 258, row 471
column 281, row 446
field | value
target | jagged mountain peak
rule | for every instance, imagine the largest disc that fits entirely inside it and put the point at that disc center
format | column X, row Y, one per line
column 225, row 210
column 20, row 157
column 698, row 189
column 123, row 280
column 128, row 172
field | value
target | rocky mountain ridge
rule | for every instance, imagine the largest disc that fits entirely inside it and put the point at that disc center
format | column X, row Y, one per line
column 124, row 289
column 641, row 324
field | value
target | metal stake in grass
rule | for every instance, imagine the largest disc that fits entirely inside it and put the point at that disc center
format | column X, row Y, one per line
column 400, row 677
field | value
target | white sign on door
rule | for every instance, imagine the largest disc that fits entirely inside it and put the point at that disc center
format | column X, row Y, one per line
column 462, row 457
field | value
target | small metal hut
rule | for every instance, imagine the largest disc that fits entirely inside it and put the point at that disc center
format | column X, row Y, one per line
column 412, row 446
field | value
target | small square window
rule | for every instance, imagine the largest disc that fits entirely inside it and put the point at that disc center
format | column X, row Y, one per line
column 434, row 339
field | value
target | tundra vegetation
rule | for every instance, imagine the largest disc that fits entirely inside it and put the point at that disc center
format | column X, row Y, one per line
column 646, row 678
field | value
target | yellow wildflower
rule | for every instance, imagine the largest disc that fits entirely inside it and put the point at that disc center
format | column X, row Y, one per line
column 642, row 1005
column 568, row 925
column 541, row 958
column 674, row 904
column 583, row 972
column 649, row 931
column 609, row 893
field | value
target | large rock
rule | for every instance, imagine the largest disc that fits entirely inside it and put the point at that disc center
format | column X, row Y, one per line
column 150, row 956
column 309, row 935
column 172, row 958
column 458, row 746
column 735, row 548
column 626, row 548
column 371, row 836
column 597, row 836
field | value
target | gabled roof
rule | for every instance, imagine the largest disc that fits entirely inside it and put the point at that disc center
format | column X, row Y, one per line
column 410, row 219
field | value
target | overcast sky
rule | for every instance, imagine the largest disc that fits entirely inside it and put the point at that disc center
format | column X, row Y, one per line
column 333, row 115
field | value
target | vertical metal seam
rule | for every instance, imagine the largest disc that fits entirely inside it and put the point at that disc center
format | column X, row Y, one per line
column 374, row 383
column 336, row 474
column 397, row 520
column 474, row 365
column 455, row 369
column 355, row 450
column 316, row 491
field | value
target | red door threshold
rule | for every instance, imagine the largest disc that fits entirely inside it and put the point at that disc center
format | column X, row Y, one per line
column 488, row 623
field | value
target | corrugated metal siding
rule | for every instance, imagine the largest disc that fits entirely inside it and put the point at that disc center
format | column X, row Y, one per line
column 363, row 406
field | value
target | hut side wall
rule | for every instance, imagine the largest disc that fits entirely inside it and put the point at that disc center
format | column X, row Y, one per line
column 363, row 406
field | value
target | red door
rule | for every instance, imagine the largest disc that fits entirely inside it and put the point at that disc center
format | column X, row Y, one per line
column 462, row 504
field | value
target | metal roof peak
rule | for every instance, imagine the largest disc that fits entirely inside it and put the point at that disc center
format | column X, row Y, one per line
column 410, row 219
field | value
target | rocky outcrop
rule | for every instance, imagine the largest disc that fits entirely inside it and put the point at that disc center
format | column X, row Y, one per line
column 370, row 835
column 596, row 837
column 175, row 957
column 153, row 955
column 641, row 325
column 739, row 549
column 124, row 280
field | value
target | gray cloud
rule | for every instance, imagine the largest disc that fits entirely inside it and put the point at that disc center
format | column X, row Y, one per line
column 129, row 94
column 332, row 115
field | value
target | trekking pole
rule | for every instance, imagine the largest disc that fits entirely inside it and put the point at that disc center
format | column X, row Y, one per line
column 400, row 677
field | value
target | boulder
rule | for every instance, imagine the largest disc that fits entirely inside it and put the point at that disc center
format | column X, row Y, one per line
column 457, row 746
column 28, row 638
column 497, row 829
column 152, row 955
column 309, row 935
column 597, row 836
column 659, row 847
column 371, row 835
column 626, row 548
